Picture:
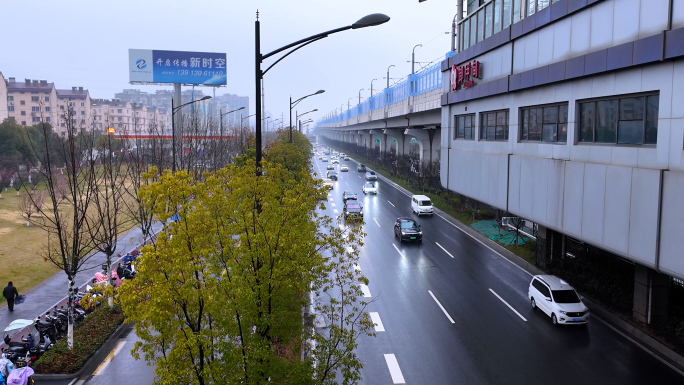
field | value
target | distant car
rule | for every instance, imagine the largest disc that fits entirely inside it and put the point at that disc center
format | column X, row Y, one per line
column 330, row 167
column 557, row 299
column 332, row 175
column 369, row 188
column 324, row 159
column 352, row 209
column 327, row 183
column 361, row 167
column 335, row 161
column 407, row 229
column 320, row 157
column 370, row 175
column 344, row 167
column 346, row 157
column 348, row 195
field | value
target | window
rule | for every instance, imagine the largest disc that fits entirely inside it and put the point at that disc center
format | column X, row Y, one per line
column 35, row 109
column 622, row 120
column 35, row 119
column 10, row 98
column 35, row 99
column 23, row 102
column 23, row 122
column 47, row 119
column 506, row 14
column 10, row 108
column 47, row 98
column 494, row 125
column 548, row 123
column 82, row 121
column 47, row 109
column 530, row 7
column 497, row 16
column 488, row 21
column 118, row 111
column 464, row 127
column 23, row 112
column 82, row 104
column 82, row 112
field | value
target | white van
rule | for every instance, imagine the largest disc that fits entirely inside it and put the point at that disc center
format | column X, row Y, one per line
column 420, row 204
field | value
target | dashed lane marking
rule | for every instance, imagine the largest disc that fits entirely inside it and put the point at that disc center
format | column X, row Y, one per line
column 375, row 317
column 394, row 369
column 440, row 246
column 398, row 251
column 441, row 307
column 391, row 204
column 365, row 290
column 376, row 222
column 509, row 306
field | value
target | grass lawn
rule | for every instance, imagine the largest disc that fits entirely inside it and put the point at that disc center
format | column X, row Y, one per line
column 21, row 247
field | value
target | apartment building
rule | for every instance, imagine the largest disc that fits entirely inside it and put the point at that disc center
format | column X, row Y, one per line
column 31, row 100
column 126, row 117
column 3, row 99
column 79, row 100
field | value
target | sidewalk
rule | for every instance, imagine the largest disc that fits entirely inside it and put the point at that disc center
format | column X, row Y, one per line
column 53, row 291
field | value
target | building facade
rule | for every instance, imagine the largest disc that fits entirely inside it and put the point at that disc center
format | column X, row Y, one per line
column 569, row 113
column 3, row 99
column 76, row 103
column 32, row 101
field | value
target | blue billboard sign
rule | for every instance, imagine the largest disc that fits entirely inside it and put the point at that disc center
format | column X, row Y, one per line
column 198, row 68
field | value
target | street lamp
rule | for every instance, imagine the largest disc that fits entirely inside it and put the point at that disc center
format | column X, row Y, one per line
column 173, row 128
column 299, row 127
column 366, row 21
column 242, row 140
column 221, row 115
column 388, row 68
column 304, row 122
column 348, row 103
column 372, row 86
column 292, row 104
column 360, row 95
column 413, row 59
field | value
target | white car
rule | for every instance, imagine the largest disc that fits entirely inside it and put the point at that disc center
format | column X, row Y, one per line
column 557, row 299
column 344, row 167
column 324, row 159
column 369, row 188
column 335, row 161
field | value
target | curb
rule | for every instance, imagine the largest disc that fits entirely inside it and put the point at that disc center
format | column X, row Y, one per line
column 94, row 360
column 649, row 344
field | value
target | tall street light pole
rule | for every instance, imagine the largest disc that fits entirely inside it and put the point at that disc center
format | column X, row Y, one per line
column 293, row 104
column 413, row 59
column 348, row 105
column 299, row 127
column 173, row 128
column 221, row 115
column 372, row 86
column 360, row 94
column 366, row 21
column 242, row 133
column 388, row 68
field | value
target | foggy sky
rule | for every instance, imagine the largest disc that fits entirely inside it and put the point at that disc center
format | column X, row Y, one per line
column 85, row 43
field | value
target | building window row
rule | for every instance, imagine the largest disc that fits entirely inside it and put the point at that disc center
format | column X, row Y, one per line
column 630, row 119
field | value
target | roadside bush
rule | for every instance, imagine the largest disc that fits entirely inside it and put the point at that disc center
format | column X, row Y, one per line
column 89, row 336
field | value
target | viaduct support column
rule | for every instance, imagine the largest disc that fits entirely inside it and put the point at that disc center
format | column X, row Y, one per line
column 651, row 295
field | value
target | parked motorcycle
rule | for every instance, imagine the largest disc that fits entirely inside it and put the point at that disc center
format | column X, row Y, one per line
column 30, row 347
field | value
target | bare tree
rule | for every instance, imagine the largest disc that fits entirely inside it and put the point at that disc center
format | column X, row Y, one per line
column 5, row 178
column 30, row 204
column 17, row 182
column 69, row 244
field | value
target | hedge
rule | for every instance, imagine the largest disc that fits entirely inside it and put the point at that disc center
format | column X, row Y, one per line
column 89, row 336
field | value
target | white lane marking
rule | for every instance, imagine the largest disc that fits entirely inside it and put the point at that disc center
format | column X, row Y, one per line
column 398, row 251
column 440, row 246
column 394, row 369
column 391, row 204
column 441, row 307
column 365, row 290
column 509, row 306
column 335, row 211
column 376, row 222
column 109, row 358
column 357, row 267
column 332, row 204
column 330, row 199
column 375, row 317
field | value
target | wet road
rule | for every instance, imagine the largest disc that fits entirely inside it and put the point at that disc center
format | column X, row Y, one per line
column 455, row 312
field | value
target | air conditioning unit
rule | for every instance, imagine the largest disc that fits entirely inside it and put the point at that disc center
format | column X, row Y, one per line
column 33, row 114
column 10, row 103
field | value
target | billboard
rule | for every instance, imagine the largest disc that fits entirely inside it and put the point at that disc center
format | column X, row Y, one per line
column 199, row 68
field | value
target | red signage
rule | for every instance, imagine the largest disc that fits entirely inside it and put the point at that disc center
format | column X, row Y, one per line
column 463, row 76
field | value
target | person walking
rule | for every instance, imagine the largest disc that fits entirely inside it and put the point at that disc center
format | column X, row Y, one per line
column 10, row 293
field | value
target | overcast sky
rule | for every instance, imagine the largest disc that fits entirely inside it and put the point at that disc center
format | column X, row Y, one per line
column 85, row 43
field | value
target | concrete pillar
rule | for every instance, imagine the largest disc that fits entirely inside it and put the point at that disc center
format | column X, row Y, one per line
column 549, row 246
column 651, row 295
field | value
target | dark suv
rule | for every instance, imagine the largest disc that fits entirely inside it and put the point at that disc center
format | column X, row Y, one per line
column 407, row 230
column 352, row 209
column 332, row 175
column 361, row 167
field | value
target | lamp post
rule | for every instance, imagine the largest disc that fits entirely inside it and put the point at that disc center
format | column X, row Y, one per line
column 366, row 21
column 221, row 115
column 388, row 68
column 173, row 129
column 372, row 86
column 304, row 122
column 242, row 140
column 299, row 127
column 293, row 104
column 348, row 107
column 413, row 58
column 360, row 94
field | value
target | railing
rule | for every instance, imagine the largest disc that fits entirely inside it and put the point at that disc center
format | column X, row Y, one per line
column 424, row 81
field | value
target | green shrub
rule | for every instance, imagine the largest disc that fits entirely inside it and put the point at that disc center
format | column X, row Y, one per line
column 89, row 336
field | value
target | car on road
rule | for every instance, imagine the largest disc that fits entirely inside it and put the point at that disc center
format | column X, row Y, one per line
column 332, row 175
column 421, row 204
column 353, row 209
column 327, row 183
column 335, row 161
column 369, row 188
column 330, row 167
column 344, row 167
column 320, row 157
column 558, row 300
column 371, row 175
column 346, row 157
column 348, row 194
column 324, row 159
column 407, row 229
column 361, row 167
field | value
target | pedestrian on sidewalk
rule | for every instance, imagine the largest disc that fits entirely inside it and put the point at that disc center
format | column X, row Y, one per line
column 10, row 293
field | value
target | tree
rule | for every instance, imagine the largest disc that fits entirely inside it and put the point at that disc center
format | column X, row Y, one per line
column 31, row 203
column 218, row 298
